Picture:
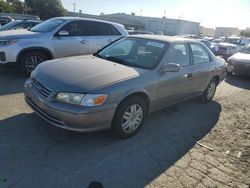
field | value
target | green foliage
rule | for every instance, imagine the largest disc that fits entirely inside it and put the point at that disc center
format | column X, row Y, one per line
column 245, row 33
column 45, row 8
column 5, row 6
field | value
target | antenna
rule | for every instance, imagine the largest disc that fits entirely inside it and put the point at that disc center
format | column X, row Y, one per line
column 74, row 7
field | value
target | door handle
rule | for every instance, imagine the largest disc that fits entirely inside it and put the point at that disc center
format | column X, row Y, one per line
column 83, row 41
column 189, row 75
column 110, row 40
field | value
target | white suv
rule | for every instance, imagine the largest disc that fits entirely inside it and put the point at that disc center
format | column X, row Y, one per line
column 55, row 38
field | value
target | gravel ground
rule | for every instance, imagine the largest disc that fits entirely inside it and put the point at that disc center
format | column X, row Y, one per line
column 164, row 154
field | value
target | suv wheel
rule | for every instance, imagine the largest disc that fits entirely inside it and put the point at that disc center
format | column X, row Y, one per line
column 210, row 91
column 129, row 117
column 30, row 60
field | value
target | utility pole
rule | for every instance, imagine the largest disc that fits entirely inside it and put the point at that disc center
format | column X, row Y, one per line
column 74, row 7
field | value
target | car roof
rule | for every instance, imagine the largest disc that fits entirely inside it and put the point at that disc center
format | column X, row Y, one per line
column 87, row 19
column 170, row 39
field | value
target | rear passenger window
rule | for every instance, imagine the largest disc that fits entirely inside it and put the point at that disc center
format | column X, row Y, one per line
column 99, row 29
column 200, row 54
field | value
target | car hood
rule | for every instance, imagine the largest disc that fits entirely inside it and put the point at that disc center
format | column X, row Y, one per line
column 225, row 44
column 81, row 73
column 19, row 33
column 241, row 57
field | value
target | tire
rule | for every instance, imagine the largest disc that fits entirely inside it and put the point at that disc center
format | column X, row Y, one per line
column 209, row 92
column 30, row 60
column 127, row 123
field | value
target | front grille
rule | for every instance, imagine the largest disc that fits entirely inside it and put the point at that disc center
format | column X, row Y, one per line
column 41, row 90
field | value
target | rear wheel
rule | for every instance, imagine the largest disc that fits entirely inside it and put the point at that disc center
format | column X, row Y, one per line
column 210, row 91
column 129, row 117
column 30, row 60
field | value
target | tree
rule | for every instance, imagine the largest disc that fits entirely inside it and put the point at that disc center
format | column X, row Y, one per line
column 245, row 33
column 45, row 8
column 5, row 6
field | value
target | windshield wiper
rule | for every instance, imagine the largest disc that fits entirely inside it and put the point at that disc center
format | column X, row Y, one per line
column 117, row 60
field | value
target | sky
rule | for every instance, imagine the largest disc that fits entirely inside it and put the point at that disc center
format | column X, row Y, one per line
column 209, row 13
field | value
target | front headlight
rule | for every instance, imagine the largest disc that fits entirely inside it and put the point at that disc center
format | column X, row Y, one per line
column 81, row 99
column 71, row 98
column 5, row 42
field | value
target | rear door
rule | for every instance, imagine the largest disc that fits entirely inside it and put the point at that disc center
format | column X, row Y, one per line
column 175, row 86
column 203, row 67
column 100, row 34
column 76, row 42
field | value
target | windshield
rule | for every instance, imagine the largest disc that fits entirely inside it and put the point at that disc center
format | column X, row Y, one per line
column 8, row 25
column 233, row 40
column 246, row 50
column 135, row 52
column 47, row 26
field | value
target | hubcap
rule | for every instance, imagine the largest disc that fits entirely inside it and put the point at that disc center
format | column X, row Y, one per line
column 132, row 118
column 32, row 62
column 211, row 90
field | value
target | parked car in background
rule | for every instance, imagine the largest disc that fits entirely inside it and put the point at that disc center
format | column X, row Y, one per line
column 239, row 63
column 218, row 40
column 231, row 45
column 54, row 38
column 211, row 45
column 137, row 32
column 4, row 20
column 119, row 85
column 20, row 24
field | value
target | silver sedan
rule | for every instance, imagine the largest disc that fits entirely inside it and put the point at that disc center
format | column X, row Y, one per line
column 121, row 84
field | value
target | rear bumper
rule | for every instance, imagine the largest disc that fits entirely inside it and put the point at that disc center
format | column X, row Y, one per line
column 71, row 117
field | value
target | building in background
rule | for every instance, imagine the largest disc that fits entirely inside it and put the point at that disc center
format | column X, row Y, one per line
column 207, row 31
column 165, row 25
column 226, row 31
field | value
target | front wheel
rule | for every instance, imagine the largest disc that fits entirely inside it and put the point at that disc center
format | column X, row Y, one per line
column 210, row 91
column 30, row 60
column 129, row 117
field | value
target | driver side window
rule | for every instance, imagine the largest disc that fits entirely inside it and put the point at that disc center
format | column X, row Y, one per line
column 75, row 28
column 179, row 54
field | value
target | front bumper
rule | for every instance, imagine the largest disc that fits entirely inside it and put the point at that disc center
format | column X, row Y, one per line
column 71, row 117
column 9, row 53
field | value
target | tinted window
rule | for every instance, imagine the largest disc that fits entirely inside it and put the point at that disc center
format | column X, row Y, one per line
column 98, row 28
column 75, row 28
column 200, row 55
column 178, row 54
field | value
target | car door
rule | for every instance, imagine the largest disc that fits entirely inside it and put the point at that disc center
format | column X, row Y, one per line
column 100, row 34
column 175, row 86
column 203, row 67
column 71, row 40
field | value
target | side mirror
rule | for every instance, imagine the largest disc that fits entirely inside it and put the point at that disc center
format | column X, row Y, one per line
column 63, row 33
column 171, row 67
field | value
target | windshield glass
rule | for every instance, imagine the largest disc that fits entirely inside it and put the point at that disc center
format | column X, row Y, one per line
column 47, row 26
column 246, row 50
column 8, row 25
column 233, row 40
column 135, row 52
